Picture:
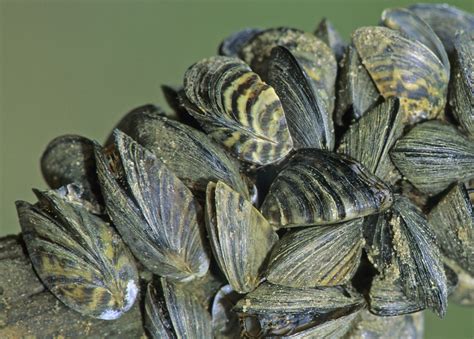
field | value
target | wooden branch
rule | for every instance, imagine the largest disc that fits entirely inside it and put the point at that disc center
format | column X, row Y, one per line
column 27, row 309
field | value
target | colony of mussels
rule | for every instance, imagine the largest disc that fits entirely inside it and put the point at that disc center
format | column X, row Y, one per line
column 303, row 187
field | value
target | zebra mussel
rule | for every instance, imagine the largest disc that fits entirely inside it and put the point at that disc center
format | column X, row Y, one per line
column 302, row 188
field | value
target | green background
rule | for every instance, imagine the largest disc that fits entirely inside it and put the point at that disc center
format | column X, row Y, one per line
column 78, row 66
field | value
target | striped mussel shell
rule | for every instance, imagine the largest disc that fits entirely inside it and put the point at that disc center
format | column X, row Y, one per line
column 370, row 139
column 280, row 311
column 237, row 109
column 433, row 155
column 318, row 187
column 415, row 28
column 403, row 248
column 315, row 56
column 461, row 92
column 452, row 219
column 225, row 322
column 309, row 121
column 240, row 236
column 317, row 256
column 328, row 33
column 404, row 68
column 187, row 152
column 173, row 311
column 445, row 20
column 70, row 159
column 156, row 214
column 77, row 255
column 356, row 91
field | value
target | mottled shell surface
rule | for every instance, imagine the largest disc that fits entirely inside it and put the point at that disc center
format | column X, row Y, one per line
column 370, row 139
column 404, row 68
column 317, row 256
column 415, row 28
column 175, row 313
column 445, row 20
column 240, row 236
column 78, row 256
column 309, row 122
column 155, row 213
column 434, row 155
column 318, row 187
column 187, row 152
column 461, row 93
column 237, row 109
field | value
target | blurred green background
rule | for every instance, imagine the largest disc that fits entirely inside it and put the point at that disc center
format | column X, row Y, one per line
column 78, row 66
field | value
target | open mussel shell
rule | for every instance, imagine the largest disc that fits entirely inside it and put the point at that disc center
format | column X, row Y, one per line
column 155, row 213
column 356, row 92
column 415, row 28
column 173, row 311
column 410, row 326
column 327, row 33
column 187, row 152
column 309, row 122
column 452, row 219
column 317, row 256
column 403, row 68
column 70, row 159
column 461, row 93
column 445, row 20
column 225, row 322
column 240, row 236
column 237, row 109
column 408, row 238
column 318, row 187
column 370, row 139
column 434, row 155
column 273, row 310
column 232, row 45
column 77, row 255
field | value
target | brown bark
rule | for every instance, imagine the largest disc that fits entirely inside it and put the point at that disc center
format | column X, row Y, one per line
column 27, row 309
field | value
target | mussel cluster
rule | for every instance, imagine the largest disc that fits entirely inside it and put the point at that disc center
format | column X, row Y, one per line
column 301, row 188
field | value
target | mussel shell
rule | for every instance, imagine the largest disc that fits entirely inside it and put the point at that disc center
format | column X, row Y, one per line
column 415, row 28
column 410, row 326
column 461, row 93
column 434, row 155
column 70, row 159
column 370, row 139
column 177, row 313
column 279, row 310
column 232, row 45
column 413, row 256
column 240, row 236
column 155, row 213
column 327, row 33
column 225, row 322
column 445, row 20
column 237, row 109
column 403, row 68
column 318, row 187
column 314, row 55
column 188, row 153
column 317, row 256
column 452, row 219
column 77, row 255
column 309, row 122
column 356, row 92
column 172, row 96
